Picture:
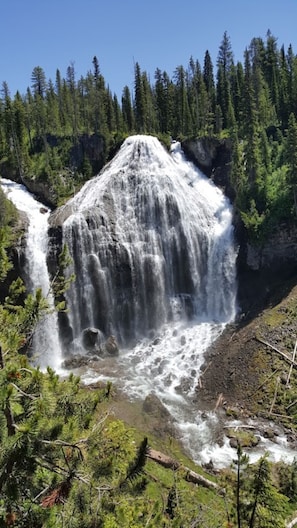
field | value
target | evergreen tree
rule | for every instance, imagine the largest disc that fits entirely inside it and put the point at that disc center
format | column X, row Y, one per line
column 182, row 124
column 61, row 101
column 38, row 80
column 99, row 99
column 208, row 77
column 145, row 119
column 224, row 64
column 292, row 157
column 127, row 110
column 199, row 103
column 160, row 102
column 72, row 101
column 284, row 89
column 271, row 69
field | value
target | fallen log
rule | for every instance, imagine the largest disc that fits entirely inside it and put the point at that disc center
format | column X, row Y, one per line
column 292, row 523
column 293, row 360
column 190, row 476
column 287, row 358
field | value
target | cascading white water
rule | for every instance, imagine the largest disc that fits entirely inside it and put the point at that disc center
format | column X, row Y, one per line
column 153, row 252
column 150, row 238
column 152, row 244
column 46, row 345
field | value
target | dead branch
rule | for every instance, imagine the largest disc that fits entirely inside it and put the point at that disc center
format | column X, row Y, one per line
column 291, row 405
column 202, row 374
column 31, row 396
column 265, row 381
column 292, row 523
column 287, row 358
column 275, row 394
column 219, row 401
column 281, row 416
column 190, row 476
column 293, row 360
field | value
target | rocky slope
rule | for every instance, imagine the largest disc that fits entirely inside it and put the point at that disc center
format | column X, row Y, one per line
column 246, row 369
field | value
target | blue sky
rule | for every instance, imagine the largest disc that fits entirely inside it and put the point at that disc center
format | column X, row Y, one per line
column 155, row 33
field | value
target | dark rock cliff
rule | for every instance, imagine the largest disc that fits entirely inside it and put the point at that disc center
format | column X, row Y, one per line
column 213, row 157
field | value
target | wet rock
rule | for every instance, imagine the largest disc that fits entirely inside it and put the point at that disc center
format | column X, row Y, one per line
column 153, row 406
column 269, row 433
column 75, row 362
column 156, row 341
column 91, row 337
column 111, row 346
column 183, row 340
column 185, row 386
column 233, row 443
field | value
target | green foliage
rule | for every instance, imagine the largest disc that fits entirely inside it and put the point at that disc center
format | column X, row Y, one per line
column 63, row 461
column 254, row 496
column 254, row 222
column 62, row 133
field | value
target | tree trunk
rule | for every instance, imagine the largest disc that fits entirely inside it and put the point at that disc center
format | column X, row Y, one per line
column 190, row 476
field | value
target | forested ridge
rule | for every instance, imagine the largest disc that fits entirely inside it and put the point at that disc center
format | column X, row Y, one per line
column 51, row 132
column 65, row 461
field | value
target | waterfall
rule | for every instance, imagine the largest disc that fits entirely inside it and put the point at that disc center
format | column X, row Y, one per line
column 151, row 240
column 152, row 244
column 152, row 247
column 46, row 346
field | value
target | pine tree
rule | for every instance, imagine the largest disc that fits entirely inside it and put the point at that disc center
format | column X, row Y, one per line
column 182, row 123
column 224, row 64
column 99, row 99
column 127, row 110
column 73, row 103
column 160, row 101
column 38, row 82
column 208, row 77
column 271, row 69
column 291, row 148
column 145, row 119
column 61, row 102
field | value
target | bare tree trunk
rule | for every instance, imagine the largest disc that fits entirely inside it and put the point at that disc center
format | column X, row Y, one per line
column 10, row 424
column 190, row 476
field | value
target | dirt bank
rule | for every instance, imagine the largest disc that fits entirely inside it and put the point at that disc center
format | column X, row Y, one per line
column 246, row 373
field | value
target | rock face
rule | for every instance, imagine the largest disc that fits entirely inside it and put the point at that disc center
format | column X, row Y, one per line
column 277, row 253
column 262, row 269
column 213, row 157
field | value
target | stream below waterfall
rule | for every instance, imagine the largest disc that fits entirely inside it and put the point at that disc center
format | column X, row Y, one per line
column 154, row 215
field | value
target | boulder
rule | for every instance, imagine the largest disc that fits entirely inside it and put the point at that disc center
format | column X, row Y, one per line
column 75, row 362
column 213, row 157
column 153, row 406
column 111, row 346
column 91, row 337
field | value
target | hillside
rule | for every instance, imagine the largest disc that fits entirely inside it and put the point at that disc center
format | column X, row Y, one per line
column 252, row 376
